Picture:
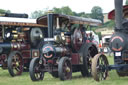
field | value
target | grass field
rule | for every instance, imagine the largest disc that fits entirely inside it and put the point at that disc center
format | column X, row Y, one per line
column 77, row 79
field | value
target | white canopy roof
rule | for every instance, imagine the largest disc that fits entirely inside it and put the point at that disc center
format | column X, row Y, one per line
column 21, row 20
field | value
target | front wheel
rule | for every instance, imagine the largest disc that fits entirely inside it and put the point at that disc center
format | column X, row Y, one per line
column 65, row 68
column 99, row 67
column 15, row 63
column 35, row 70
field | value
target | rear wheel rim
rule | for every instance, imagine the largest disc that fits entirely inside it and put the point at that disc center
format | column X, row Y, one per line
column 38, row 74
column 66, row 68
column 17, row 64
column 101, row 68
column 89, row 62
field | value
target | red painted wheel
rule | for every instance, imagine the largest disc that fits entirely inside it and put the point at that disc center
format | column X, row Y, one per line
column 65, row 69
column 35, row 70
column 99, row 64
column 15, row 63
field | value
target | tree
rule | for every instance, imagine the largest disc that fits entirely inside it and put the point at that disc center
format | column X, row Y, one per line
column 36, row 14
column 82, row 14
column 57, row 10
column 63, row 10
column 97, row 13
column 110, row 24
column 2, row 11
column 126, row 2
column 66, row 10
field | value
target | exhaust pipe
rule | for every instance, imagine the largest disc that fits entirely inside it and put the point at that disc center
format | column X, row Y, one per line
column 118, row 14
column 50, row 25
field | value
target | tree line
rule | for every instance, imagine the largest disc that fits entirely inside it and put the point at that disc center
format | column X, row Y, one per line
column 96, row 12
column 2, row 11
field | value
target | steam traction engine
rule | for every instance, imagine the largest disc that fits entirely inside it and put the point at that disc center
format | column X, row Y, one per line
column 18, row 42
column 66, row 49
column 118, row 44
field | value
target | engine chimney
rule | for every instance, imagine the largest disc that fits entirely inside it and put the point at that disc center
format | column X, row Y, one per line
column 118, row 14
column 50, row 25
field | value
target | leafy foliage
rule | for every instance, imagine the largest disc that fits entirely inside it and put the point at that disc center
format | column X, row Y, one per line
column 57, row 10
column 63, row 10
column 97, row 13
column 81, row 14
column 126, row 2
column 110, row 24
column 36, row 14
column 2, row 11
column 66, row 10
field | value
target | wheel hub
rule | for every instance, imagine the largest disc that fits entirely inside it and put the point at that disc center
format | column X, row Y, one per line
column 68, row 69
column 17, row 64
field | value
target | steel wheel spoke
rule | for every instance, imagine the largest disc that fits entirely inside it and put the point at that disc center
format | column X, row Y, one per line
column 17, row 69
column 17, row 63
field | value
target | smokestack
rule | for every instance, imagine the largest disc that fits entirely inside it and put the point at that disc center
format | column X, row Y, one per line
column 50, row 25
column 118, row 14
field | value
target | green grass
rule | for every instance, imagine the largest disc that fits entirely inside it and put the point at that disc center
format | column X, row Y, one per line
column 77, row 79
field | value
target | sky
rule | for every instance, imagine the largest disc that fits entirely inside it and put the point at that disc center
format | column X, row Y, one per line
column 28, row 6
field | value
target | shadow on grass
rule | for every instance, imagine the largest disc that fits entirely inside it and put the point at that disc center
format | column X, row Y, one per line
column 79, row 76
column 5, row 73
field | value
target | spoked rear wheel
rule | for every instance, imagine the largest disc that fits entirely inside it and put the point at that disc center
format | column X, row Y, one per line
column 88, row 53
column 34, row 69
column 65, row 68
column 86, row 67
column 15, row 63
column 99, row 67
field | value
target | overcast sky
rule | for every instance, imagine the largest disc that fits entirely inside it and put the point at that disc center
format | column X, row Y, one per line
column 28, row 6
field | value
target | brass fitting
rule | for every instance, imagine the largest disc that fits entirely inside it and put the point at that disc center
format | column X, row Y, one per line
column 14, row 31
column 15, row 36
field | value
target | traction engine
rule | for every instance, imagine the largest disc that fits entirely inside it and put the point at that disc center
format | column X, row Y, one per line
column 18, row 37
column 65, row 50
column 118, row 44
